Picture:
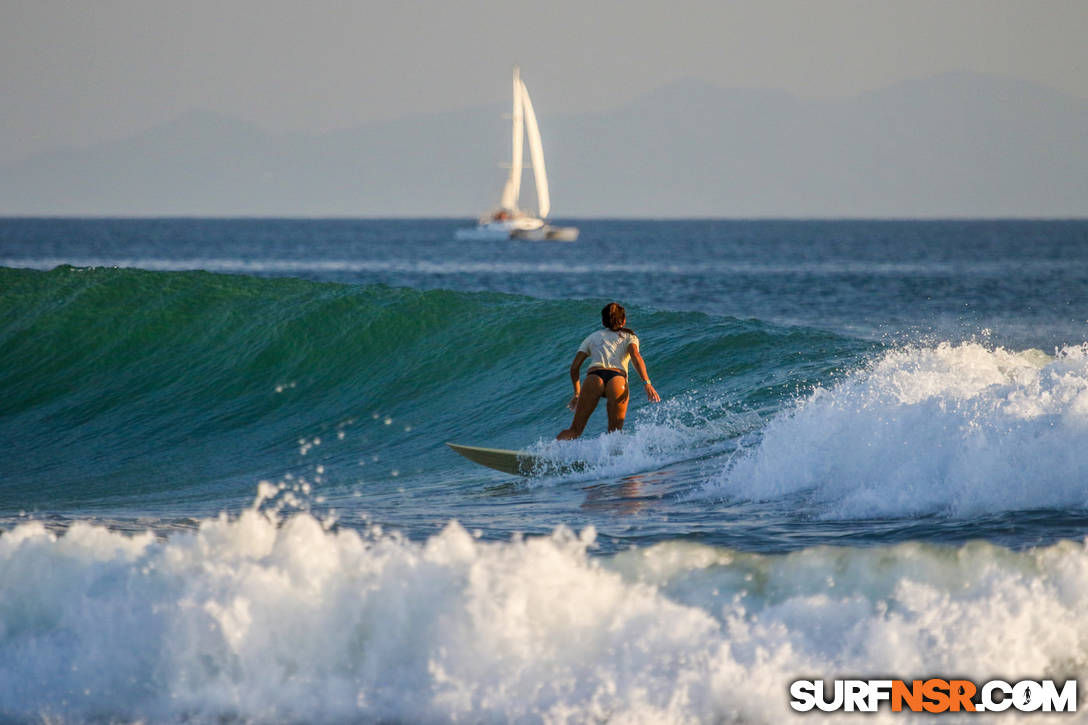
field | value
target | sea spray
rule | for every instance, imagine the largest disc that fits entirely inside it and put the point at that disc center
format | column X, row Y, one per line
column 682, row 428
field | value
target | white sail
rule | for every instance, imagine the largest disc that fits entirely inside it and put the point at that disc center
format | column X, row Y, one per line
column 536, row 153
column 509, row 221
column 512, row 190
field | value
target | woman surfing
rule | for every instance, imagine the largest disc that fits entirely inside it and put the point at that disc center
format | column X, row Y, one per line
column 608, row 351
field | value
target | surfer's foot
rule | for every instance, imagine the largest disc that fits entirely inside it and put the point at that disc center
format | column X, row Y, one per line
column 567, row 435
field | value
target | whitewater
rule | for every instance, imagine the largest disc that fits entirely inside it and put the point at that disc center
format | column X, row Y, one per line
column 226, row 495
column 283, row 620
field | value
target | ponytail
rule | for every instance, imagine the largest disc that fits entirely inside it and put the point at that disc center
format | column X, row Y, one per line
column 613, row 316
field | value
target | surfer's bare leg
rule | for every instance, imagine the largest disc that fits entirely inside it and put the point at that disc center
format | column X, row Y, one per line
column 617, row 394
column 592, row 389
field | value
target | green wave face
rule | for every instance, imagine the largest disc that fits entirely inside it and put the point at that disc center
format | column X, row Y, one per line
column 122, row 384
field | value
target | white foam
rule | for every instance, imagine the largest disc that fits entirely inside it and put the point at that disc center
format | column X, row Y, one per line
column 258, row 620
column 654, row 436
column 958, row 430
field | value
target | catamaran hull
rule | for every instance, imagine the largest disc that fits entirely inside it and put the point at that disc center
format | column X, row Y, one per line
column 531, row 235
column 501, row 229
column 482, row 234
column 562, row 234
column 492, row 233
column 547, row 234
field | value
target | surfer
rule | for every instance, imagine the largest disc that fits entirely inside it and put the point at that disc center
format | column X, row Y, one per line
column 608, row 350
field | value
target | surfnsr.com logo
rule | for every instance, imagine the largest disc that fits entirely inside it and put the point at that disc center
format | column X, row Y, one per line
column 934, row 695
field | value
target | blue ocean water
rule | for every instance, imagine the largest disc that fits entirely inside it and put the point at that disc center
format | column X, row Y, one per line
column 226, row 492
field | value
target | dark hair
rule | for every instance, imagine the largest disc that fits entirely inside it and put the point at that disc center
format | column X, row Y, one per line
column 613, row 316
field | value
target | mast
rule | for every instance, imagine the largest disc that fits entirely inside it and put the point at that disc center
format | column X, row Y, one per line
column 512, row 190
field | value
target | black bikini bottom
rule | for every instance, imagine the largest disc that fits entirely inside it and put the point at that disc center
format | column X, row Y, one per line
column 606, row 375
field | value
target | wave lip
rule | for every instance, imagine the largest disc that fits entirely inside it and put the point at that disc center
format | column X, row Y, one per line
column 953, row 430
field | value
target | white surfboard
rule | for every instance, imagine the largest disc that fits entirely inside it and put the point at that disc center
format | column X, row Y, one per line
column 517, row 463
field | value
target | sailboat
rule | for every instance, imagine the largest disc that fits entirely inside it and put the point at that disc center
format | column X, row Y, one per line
column 509, row 221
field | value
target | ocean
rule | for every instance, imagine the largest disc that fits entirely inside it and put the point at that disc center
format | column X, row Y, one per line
column 225, row 494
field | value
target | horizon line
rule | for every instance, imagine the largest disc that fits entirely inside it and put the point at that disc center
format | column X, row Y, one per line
column 368, row 218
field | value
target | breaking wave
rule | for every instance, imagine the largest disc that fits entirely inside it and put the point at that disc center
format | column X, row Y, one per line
column 955, row 430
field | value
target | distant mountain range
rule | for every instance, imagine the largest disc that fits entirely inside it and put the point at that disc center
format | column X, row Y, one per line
column 951, row 145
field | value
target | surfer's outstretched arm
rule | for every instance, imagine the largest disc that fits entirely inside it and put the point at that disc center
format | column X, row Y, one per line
column 640, row 366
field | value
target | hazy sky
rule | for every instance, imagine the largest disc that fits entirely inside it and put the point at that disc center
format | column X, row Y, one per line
column 75, row 73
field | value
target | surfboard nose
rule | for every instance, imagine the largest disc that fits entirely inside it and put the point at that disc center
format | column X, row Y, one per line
column 517, row 463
